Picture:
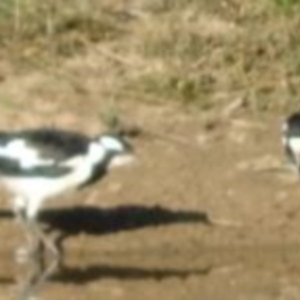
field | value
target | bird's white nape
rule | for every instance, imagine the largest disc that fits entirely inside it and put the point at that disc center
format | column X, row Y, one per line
column 112, row 143
column 96, row 153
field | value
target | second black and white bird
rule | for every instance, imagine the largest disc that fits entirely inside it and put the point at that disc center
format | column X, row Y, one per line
column 291, row 139
column 36, row 165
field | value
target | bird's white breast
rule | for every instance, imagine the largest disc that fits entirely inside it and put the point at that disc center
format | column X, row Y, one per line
column 43, row 187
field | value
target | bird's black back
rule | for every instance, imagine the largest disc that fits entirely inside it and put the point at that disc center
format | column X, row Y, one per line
column 50, row 143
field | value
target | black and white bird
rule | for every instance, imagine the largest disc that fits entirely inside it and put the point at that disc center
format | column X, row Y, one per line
column 39, row 164
column 291, row 139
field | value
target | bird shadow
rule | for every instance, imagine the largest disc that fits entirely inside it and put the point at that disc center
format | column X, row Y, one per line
column 82, row 276
column 97, row 272
column 6, row 214
column 33, row 282
column 98, row 221
column 68, row 222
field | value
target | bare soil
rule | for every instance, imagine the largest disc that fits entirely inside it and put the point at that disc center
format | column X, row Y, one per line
column 202, row 213
column 205, row 211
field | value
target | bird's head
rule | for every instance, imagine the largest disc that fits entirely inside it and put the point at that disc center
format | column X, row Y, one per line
column 291, row 126
column 117, row 148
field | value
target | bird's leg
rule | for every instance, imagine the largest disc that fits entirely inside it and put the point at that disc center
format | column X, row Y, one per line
column 20, row 210
column 26, row 212
column 34, row 245
column 37, row 276
column 41, row 236
column 34, row 227
column 297, row 162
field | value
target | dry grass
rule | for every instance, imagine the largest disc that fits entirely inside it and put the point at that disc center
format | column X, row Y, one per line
column 185, row 51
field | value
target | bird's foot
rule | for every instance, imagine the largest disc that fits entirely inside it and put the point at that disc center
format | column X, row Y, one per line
column 25, row 253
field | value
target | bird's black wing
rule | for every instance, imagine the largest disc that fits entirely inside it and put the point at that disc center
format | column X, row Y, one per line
column 13, row 168
column 56, row 144
column 49, row 147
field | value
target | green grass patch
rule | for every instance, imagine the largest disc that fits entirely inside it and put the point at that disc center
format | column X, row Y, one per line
column 188, row 51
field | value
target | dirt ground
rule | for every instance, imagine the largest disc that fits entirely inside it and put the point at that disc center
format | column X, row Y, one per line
column 201, row 213
column 205, row 211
